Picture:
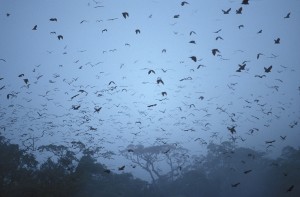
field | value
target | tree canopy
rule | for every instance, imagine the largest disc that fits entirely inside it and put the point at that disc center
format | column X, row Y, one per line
column 225, row 170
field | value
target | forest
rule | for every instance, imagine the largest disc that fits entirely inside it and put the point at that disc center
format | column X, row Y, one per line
column 226, row 170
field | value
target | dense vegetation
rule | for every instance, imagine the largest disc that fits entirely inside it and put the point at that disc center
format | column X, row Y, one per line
column 224, row 171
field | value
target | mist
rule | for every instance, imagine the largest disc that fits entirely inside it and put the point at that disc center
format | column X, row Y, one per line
column 175, row 98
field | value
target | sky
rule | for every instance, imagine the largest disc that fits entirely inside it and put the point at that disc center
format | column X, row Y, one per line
column 101, row 62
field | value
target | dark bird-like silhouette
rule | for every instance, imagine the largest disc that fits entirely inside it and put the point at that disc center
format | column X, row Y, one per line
column 239, row 11
column 217, row 31
column 232, row 129
column 260, row 76
column 277, row 41
column 26, row 81
column 151, row 71
column 176, row 16
column 192, row 32
column 74, row 96
column 219, row 37
column 137, row 31
column 270, row 141
column 283, row 137
column 192, row 42
column 21, row 75
column 245, row 2
column 215, row 51
column 111, row 82
column 53, row 19
column 164, row 51
column 260, row 31
column 152, row 105
column 164, row 94
column 290, row 188
column 288, row 15
column 121, row 168
column 267, row 70
column 194, row 58
column 97, row 109
column 3, row 60
column 184, row 3
column 8, row 96
column 247, row 171
column 259, row 54
column 235, row 184
column 76, row 107
column 60, row 37
column 104, row 30
column 241, row 67
column 200, row 65
column 227, row 11
column 241, row 26
column 34, row 28
column 159, row 80
column 125, row 14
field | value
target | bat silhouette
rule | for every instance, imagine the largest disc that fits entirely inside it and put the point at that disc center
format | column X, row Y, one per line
column 232, row 129
column 290, row 188
column 75, row 107
column 247, row 171
column 270, row 142
column 219, row 37
column 97, row 109
column 159, row 80
column 245, row 2
column 235, row 184
column 125, row 14
column 121, row 168
column 192, row 32
column 258, row 55
column 227, row 11
column 184, row 3
column 288, row 15
column 26, row 81
column 239, row 11
column 194, row 58
column 151, row 71
column 267, row 70
column 215, row 51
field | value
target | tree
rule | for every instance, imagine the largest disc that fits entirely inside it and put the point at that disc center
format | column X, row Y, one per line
column 17, row 170
column 153, row 157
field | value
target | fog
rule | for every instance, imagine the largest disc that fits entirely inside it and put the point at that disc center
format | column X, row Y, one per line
column 154, row 86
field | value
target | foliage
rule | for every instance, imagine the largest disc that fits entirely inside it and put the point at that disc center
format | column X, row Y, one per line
column 225, row 171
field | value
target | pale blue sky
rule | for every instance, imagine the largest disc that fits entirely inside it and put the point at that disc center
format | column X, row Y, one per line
column 84, row 53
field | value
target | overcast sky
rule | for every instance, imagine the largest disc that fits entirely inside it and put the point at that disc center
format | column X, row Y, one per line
column 102, row 62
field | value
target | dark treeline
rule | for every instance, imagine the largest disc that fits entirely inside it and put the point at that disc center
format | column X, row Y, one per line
column 225, row 171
